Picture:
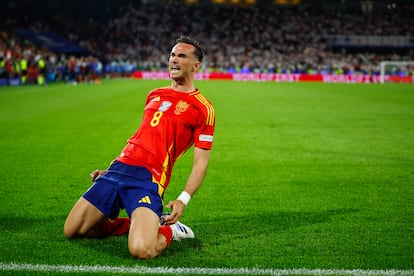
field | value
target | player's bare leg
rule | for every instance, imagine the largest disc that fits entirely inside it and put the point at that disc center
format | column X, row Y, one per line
column 84, row 220
column 145, row 241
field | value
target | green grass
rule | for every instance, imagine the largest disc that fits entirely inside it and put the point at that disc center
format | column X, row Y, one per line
column 302, row 175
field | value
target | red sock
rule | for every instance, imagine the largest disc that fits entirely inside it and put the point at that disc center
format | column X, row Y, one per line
column 167, row 232
column 116, row 227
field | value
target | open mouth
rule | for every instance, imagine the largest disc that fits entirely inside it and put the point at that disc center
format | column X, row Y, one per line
column 174, row 69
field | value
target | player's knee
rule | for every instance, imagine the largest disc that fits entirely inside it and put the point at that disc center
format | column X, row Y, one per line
column 69, row 231
column 142, row 251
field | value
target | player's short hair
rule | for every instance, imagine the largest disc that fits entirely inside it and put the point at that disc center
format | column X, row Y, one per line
column 199, row 53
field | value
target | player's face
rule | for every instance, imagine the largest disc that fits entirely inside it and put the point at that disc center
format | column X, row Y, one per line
column 182, row 61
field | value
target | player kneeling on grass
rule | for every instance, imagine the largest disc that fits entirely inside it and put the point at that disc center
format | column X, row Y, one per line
column 175, row 118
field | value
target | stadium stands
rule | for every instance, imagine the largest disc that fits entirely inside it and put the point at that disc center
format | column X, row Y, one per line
column 261, row 39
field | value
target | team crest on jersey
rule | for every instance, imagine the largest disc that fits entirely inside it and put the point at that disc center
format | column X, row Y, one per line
column 181, row 107
column 165, row 105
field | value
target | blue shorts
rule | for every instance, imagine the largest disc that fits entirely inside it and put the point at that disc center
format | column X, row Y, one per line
column 124, row 187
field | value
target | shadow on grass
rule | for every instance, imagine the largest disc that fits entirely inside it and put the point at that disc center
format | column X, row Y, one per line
column 29, row 231
column 18, row 224
column 215, row 231
column 266, row 222
column 222, row 229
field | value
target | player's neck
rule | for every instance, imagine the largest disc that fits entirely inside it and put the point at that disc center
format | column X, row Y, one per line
column 183, row 85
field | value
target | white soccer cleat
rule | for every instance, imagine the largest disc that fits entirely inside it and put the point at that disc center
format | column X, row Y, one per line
column 181, row 231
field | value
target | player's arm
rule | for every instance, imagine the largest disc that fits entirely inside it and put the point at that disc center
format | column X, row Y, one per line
column 198, row 172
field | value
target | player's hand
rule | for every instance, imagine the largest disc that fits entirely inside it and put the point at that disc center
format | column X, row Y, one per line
column 97, row 173
column 177, row 208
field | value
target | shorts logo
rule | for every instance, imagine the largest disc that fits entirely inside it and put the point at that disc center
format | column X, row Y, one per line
column 145, row 199
column 181, row 107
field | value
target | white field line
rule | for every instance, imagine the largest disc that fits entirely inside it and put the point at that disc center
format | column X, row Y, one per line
column 197, row 270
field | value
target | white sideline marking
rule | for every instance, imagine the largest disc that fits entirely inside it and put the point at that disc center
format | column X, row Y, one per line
column 198, row 270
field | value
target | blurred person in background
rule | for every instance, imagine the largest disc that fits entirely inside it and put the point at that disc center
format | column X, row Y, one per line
column 41, row 64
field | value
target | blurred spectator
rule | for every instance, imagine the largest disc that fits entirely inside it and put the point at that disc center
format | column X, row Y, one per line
column 238, row 39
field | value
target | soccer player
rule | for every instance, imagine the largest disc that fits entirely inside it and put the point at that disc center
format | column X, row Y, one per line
column 175, row 118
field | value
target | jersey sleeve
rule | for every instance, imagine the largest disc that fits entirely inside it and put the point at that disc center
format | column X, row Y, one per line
column 204, row 133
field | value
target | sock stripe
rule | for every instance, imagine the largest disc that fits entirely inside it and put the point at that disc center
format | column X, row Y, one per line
column 167, row 232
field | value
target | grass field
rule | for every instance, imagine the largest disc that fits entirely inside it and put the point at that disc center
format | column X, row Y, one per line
column 307, row 176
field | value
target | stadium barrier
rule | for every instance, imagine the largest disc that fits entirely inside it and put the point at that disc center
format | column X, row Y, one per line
column 328, row 78
column 11, row 82
column 269, row 77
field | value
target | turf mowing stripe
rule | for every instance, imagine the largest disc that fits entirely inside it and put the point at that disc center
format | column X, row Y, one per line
column 197, row 270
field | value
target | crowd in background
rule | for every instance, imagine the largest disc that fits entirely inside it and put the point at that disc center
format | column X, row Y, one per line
column 265, row 39
column 253, row 39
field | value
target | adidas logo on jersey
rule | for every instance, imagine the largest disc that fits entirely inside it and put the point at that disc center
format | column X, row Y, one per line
column 145, row 199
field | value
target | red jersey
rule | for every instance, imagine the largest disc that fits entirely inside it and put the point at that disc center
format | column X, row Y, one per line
column 172, row 122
